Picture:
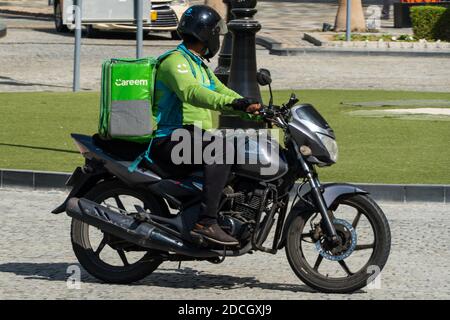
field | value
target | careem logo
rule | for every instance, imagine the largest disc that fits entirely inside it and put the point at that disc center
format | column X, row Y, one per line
column 137, row 82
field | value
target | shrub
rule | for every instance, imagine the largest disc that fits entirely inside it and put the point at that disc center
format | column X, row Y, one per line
column 431, row 22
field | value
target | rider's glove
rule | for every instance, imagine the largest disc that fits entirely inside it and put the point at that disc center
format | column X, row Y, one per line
column 241, row 104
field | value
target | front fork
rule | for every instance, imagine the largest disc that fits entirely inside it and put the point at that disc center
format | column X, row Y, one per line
column 316, row 191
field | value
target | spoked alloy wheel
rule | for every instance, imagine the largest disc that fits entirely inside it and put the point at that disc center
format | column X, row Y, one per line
column 364, row 248
column 105, row 256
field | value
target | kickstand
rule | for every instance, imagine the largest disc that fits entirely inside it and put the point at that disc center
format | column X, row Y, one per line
column 179, row 265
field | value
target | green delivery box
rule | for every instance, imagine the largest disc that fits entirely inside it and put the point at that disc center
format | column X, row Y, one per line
column 126, row 99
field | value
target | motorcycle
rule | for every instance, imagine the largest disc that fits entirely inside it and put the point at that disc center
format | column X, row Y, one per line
column 336, row 238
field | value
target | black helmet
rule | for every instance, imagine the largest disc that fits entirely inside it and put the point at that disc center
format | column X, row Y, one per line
column 205, row 24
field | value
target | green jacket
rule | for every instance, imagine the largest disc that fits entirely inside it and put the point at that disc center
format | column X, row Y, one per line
column 186, row 91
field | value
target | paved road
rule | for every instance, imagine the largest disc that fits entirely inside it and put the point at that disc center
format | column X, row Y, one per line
column 282, row 20
column 35, row 253
column 37, row 59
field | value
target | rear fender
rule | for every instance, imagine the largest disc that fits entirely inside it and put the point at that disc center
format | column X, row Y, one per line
column 81, row 182
column 331, row 192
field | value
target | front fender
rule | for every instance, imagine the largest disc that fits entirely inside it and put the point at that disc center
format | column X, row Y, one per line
column 330, row 192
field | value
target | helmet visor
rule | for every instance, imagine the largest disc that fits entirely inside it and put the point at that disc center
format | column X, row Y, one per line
column 221, row 28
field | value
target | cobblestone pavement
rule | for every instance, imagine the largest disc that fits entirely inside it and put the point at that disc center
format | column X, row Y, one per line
column 286, row 21
column 283, row 21
column 37, row 59
column 35, row 253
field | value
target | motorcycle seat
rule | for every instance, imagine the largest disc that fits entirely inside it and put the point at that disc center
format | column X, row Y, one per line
column 123, row 150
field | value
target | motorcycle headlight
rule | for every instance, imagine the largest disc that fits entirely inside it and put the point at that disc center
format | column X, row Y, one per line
column 331, row 146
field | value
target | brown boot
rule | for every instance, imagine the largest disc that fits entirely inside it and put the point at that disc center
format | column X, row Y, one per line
column 214, row 233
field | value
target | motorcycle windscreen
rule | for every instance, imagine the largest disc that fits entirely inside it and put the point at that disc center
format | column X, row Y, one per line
column 309, row 113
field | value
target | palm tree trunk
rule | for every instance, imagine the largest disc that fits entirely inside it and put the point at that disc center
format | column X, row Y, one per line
column 357, row 20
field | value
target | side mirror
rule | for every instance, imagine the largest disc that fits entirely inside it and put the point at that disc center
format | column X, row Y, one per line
column 263, row 77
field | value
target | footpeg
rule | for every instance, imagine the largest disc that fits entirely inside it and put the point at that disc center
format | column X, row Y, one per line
column 198, row 240
column 140, row 215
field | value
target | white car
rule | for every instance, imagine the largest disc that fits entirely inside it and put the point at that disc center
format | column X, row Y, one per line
column 165, row 17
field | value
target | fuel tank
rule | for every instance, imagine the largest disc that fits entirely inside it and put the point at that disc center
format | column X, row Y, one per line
column 257, row 155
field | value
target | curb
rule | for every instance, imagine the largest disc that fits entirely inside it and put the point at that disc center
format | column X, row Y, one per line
column 46, row 180
column 275, row 48
column 34, row 180
column 407, row 192
column 26, row 13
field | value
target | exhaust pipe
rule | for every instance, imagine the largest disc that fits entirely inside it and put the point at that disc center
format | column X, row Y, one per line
column 126, row 227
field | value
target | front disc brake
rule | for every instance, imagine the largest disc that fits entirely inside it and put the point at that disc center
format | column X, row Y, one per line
column 347, row 248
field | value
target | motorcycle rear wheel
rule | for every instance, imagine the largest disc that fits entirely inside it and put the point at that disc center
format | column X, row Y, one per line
column 90, row 258
column 311, row 275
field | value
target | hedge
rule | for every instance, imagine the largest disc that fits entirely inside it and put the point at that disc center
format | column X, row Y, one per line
column 431, row 22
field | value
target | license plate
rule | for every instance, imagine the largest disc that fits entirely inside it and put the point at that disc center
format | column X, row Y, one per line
column 153, row 15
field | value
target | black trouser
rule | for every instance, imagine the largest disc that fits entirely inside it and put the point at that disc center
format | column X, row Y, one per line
column 215, row 174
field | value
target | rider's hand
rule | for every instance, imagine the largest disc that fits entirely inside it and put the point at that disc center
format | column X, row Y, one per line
column 253, row 108
column 246, row 104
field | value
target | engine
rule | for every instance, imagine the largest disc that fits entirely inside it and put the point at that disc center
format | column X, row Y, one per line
column 248, row 204
column 242, row 207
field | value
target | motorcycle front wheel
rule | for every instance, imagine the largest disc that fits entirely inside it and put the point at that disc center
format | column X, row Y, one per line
column 366, row 241
column 109, row 258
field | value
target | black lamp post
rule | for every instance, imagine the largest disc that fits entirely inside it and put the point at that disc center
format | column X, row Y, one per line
column 242, row 77
column 243, row 65
column 223, row 68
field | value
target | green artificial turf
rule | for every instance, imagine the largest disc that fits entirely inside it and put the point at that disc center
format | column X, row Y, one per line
column 35, row 129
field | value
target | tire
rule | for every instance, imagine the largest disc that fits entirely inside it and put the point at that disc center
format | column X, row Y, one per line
column 85, row 253
column 91, row 32
column 58, row 17
column 359, row 279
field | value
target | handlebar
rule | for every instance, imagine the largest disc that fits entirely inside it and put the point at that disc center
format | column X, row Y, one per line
column 278, row 115
column 273, row 110
column 275, row 115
